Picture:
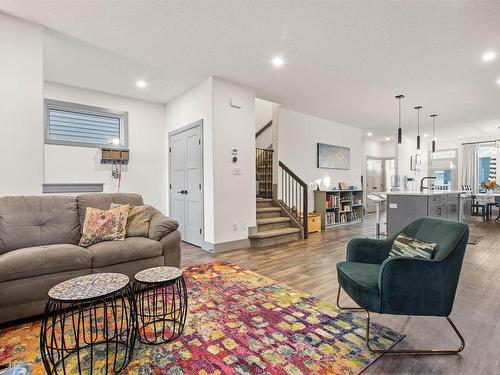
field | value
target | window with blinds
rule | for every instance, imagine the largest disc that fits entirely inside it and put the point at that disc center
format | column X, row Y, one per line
column 80, row 125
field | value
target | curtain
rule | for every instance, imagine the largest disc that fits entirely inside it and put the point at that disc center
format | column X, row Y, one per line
column 470, row 166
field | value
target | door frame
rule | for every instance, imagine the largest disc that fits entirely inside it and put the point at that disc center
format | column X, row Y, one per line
column 182, row 129
column 383, row 158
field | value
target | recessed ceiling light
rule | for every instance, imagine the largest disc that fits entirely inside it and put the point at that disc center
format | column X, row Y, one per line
column 141, row 84
column 498, row 81
column 369, row 134
column 489, row 56
column 278, row 61
column 387, row 138
column 426, row 135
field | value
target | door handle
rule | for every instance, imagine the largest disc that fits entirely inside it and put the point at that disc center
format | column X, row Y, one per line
column 183, row 192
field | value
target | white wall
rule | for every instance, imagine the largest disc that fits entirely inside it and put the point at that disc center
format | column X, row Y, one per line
column 379, row 149
column 405, row 150
column 228, row 199
column 146, row 171
column 298, row 136
column 233, row 128
column 192, row 106
column 21, row 109
column 263, row 114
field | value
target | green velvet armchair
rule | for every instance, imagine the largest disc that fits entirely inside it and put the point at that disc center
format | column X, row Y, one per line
column 404, row 285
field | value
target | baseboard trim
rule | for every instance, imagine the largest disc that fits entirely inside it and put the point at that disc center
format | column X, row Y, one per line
column 231, row 245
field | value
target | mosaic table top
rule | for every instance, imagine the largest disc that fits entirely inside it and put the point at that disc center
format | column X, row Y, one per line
column 158, row 275
column 88, row 286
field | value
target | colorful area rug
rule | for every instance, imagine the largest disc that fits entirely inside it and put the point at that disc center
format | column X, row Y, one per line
column 240, row 322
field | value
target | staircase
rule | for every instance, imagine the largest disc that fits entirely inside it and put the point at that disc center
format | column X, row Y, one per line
column 274, row 225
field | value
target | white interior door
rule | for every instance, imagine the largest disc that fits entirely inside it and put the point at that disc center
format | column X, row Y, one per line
column 186, row 183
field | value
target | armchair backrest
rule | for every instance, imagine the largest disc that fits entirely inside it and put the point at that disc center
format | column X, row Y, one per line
column 447, row 234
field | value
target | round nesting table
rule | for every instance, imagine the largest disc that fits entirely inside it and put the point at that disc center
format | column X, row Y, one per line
column 88, row 324
column 161, row 304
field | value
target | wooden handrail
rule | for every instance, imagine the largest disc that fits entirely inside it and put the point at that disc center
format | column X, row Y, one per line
column 290, row 197
column 264, row 128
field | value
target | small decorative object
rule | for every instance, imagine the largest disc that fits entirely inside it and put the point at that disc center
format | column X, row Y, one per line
column 333, row 157
column 342, row 185
column 400, row 129
column 317, row 189
column 489, row 185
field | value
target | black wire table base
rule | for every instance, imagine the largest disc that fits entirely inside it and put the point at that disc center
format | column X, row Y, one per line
column 161, row 310
column 80, row 337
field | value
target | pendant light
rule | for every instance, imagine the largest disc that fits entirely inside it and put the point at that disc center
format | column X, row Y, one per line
column 400, row 130
column 418, row 108
column 434, row 132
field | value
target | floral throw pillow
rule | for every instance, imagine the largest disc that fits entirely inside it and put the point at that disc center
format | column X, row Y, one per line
column 104, row 225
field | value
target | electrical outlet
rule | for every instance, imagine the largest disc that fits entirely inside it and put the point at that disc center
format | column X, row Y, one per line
column 236, row 171
column 235, row 227
column 244, row 226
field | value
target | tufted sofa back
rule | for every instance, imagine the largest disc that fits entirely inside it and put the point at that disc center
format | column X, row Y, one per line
column 27, row 221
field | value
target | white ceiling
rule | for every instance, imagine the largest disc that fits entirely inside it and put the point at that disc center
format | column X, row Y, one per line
column 345, row 60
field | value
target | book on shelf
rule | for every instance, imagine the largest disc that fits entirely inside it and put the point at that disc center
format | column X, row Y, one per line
column 332, row 201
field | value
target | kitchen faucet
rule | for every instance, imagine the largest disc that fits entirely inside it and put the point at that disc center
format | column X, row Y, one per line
column 422, row 187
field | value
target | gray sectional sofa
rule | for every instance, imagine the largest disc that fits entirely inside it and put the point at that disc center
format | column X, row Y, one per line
column 39, row 247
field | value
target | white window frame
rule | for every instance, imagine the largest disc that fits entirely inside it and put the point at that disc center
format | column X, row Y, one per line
column 81, row 108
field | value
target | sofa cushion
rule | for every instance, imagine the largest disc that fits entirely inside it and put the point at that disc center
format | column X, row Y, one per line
column 43, row 260
column 115, row 252
column 103, row 201
column 27, row 221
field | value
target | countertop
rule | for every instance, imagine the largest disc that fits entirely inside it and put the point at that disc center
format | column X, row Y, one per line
column 425, row 192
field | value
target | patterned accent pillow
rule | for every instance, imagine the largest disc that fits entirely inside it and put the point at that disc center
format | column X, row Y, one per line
column 104, row 225
column 406, row 246
column 137, row 221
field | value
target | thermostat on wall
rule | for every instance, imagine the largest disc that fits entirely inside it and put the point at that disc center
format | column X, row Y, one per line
column 235, row 103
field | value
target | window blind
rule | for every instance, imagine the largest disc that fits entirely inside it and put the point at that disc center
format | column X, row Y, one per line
column 83, row 127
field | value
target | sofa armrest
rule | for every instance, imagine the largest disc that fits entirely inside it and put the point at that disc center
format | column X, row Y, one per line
column 414, row 286
column 171, row 244
column 367, row 250
column 160, row 225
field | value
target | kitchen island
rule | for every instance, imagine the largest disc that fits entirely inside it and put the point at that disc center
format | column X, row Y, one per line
column 405, row 207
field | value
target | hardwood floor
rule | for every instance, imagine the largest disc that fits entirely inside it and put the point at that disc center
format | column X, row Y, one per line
column 310, row 266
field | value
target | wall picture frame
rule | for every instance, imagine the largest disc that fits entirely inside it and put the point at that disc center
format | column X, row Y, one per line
column 333, row 157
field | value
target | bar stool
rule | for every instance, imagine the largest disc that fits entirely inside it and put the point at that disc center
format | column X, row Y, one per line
column 378, row 200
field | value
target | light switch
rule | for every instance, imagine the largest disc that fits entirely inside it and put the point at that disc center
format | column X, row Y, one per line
column 236, row 171
column 393, row 205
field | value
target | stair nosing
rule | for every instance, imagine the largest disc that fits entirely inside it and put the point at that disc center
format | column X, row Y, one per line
column 273, row 220
column 268, row 209
column 274, row 233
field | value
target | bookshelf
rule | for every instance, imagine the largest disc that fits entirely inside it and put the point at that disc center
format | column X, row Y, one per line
column 337, row 207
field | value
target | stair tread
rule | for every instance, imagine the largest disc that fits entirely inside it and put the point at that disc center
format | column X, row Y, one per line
column 275, row 233
column 260, row 200
column 268, row 209
column 273, row 220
